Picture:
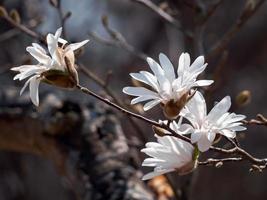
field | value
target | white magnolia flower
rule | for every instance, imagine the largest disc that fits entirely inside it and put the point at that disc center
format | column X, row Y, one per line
column 206, row 126
column 164, row 84
column 47, row 63
column 167, row 155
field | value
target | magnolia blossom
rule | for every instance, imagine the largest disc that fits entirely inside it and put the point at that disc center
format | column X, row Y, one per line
column 163, row 85
column 51, row 63
column 168, row 154
column 205, row 126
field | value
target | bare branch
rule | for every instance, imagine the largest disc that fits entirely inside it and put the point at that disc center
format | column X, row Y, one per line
column 23, row 28
column 129, row 113
column 119, row 44
column 248, row 11
column 168, row 18
column 261, row 120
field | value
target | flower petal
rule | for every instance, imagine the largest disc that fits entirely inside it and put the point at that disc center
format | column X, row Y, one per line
column 151, row 104
column 219, row 109
column 139, row 91
column 75, row 46
column 34, row 85
column 39, row 55
column 184, row 63
column 167, row 67
column 153, row 174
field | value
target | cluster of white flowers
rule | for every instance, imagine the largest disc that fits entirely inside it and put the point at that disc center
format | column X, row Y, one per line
column 179, row 93
column 176, row 92
column 52, row 68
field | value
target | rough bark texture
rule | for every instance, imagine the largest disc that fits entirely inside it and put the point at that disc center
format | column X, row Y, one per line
column 61, row 129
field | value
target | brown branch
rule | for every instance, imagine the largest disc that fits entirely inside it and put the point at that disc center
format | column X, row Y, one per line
column 119, row 44
column 219, row 162
column 105, row 87
column 242, row 153
column 23, row 28
column 165, row 16
column 261, row 120
column 210, row 11
column 131, row 114
column 248, row 11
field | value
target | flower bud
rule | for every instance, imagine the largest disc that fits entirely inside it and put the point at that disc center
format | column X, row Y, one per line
column 15, row 16
column 159, row 131
column 3, row 12
column 243, row 98
column 54, row 3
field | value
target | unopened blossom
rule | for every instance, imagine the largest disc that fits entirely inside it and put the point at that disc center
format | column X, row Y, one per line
column 218, row 121
column 168, row 154
column 165, row 86
column 56, row 67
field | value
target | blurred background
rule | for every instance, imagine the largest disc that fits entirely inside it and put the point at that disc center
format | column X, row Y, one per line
column 72, row 147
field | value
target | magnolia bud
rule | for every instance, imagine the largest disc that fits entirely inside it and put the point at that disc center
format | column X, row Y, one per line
column 159, row 131
column 3, row 12
column 15, row 16
column 104, row 19
column 243, row 98
column 54, row 3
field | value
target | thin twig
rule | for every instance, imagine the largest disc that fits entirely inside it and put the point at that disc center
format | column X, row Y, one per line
column 23, row 28
column 129, row 113
column 261, row 120
column 248, row 11
column 109, row 92
column 164, row 15
column 219, row 162
column 119, row 44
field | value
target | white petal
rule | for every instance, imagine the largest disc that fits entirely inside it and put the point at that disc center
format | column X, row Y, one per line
column 219, row 109
column 138, row 91
column 211, row 136
column 23, row 68
column 199, row 62
column 203, row 144
column 196, row 107
column 185, row 129
column 52, row 44
column 34, row 86
column 75, row 46
column 30, row 72
column 58, row 32
column 151, row 104
column 201, row 83
column 167, row 67
column 151, row 162
column 155, row 173
column 228, row 133
column 39, row 56
column 143, row 98
column 164, row 83
column 62, row 41
column 145, row 79
column 195, row 137
column 24, row 86
column 39, row 47
column 184, row 63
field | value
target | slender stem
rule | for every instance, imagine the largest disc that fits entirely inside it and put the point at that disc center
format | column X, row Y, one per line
column 129, row 113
